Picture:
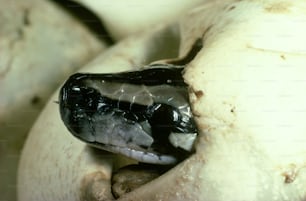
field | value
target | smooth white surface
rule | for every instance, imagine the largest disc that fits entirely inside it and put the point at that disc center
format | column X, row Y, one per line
column 123, row 18
column 35, row 56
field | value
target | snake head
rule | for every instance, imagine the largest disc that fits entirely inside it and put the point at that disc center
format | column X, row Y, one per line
column 144, row 115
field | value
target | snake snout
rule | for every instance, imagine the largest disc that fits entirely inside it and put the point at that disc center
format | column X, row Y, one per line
column 77, row 104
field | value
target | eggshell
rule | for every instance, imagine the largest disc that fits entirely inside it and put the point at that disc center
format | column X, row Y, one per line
column 247, row 95
column 247, row 92
column 123, row 18
column 35, row 56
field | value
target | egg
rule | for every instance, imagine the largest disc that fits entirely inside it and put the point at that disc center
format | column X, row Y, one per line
column 246, row 89
column 36, row 55
column 123, row 18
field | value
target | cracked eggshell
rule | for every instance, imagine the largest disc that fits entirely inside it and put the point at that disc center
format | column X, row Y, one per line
column 247, row 93
column 55, row 165
column 40, row 45
column 123, row 18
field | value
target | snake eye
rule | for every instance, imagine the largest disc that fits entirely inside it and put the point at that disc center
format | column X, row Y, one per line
column 83, row 99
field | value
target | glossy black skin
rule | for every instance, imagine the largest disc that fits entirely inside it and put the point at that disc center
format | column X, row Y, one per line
column 79, row 102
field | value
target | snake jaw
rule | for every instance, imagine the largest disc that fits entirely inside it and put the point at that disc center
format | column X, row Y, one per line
column 140, row 155
column 144, row 115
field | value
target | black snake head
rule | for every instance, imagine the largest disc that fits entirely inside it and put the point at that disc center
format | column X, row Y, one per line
column 144, row 114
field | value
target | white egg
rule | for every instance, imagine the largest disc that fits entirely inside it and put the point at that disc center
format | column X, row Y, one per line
column 246, row 91
column 123, row 18
column 35, row 57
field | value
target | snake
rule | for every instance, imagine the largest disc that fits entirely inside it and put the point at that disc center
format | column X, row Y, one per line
column 144, row 114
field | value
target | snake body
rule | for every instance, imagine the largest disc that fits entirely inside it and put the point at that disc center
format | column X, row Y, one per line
column 143, row 114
